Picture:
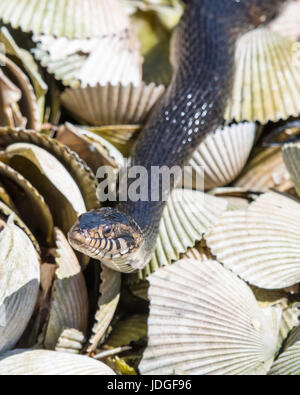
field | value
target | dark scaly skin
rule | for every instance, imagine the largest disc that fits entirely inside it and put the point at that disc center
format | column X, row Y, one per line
column 193, row 106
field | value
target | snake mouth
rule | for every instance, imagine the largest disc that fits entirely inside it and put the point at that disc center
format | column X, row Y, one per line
column 106, row 235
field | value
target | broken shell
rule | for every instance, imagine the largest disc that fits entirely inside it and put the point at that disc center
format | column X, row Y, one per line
column 187, row 217
column 19, row 283
column 204, row 320
column 52, row 180
column 77, row 168
column 291, row 157
column 266, row 170
column 287, row 23
column 266, row 86
column 43, row 362
column 109, row 104
column 110, row 290
column 69, row 302
column 70, row 341
column 130, row 330
column 221, row 157
column 70, row 19
column 261, row 245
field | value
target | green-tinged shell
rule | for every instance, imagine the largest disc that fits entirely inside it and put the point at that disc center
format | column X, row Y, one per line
column 187, row 217
column 205, row 320
column 66, row 18
column 70, row 341
column 266, row 86
column 288, row 362
column 69, row 301
column 90, row 147
column 52, row 180
column 114, row 59
column 108, row 301
column 121, row 136
column 26, row 60
column 77, row 168
column 127, row 331
column 261, row 245
column 291, row 157
column 112, row 104
column 19, row 283
column 44, row 362
column 221, row 157
column 28, row 102
column 10, row 114
column 287, row 23
column 265, row 170
column 27, row 200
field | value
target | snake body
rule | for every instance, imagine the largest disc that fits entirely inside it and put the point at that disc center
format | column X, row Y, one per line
column 194, row 105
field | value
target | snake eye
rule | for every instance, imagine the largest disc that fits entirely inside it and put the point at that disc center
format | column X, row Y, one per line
column 107, row 231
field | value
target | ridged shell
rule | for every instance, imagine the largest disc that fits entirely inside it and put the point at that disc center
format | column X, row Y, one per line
column 22, row 191
column 19, row 283
column 43, row 362
column 261, row 245
column 223, row 155
column 110, row 290
column 52, row 180
column 288, row 363
column 28, row 102
column 78, row 169
column 130, row 330
column 109, row 104
column 66, row 18
column 112, row 59
column 70, row 341
column 266, row 86
column 204, row 320
column 69, row 302
column 288, row 22
column 187, row 217
column 265, row 170
column 291, row 157
column 10, row 114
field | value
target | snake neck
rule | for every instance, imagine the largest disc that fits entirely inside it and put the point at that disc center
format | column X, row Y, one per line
column 194, row 104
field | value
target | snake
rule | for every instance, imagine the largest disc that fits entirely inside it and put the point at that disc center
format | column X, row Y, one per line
column 124, row 237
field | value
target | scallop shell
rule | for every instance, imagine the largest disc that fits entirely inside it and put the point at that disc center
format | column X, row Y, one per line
column 22, row 191
column 261, row 245
column 266, row 170
column 291, row 157
column 108, row 105
column 10, row 96
column 222, row 155
column 69, row 302
column 110, row 290
column 78, row 169
column 288, row 363
column 204, row 320
column 130, row 330
column 28, row 103
column 52, row 180
column 287, row 23
column 266, row 86
column 186, row 218
column 19, row 283
column 43, row 362
column 68, row 18
column 113, row 59
column 70, row 341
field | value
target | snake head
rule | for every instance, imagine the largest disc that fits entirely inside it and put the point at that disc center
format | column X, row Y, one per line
column 108, row 235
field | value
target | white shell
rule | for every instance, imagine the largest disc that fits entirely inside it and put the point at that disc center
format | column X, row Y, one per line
column 288, row 22
column 112, row 104
column 50, row 363
column 19, row 283
column 71, row 341
column 204, row 320
column 262, row 245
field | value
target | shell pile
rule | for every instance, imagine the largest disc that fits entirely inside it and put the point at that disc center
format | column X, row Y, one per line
column 221, row 293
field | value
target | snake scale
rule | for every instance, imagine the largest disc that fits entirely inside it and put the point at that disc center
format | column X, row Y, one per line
column 203, row 47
